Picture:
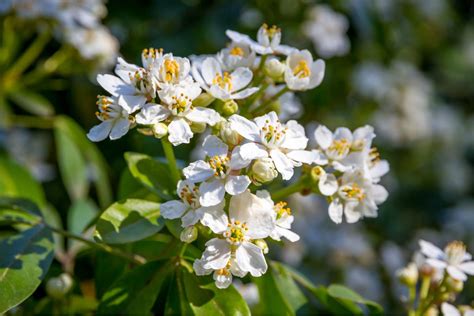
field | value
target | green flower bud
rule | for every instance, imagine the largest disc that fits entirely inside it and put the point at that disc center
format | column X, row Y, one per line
column 198, row 127
column 227, row 134
column 58, row 287
column 204, row 99
column 262, row 244
column 160, row 130
column 454, row 285
column 316, row 173
column 408, row 275
column 263, row 170
column 227, row 108
column 189, row 234
column 274, row 69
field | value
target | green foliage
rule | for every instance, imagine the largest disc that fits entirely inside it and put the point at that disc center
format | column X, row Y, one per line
column 32, row 102
column 129, row 221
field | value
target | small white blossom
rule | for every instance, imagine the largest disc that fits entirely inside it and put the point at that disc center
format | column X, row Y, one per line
column 218, row 172
column 221, row 84
column 223, row 276
column 268, row 137
column 454, row 259
column 235, row 56
column 171, row 70
column 302, row 73
column 116, row 119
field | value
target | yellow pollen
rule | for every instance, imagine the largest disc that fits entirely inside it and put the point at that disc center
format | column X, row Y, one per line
column 354, row 191
column 302, row 70
column 236, row 51
column 282, row 209
column 224, row 81
column 374, row 155
column 152, row 52
column 341, row 146
column 219, row 164
column 271, row 31
column 171, row 69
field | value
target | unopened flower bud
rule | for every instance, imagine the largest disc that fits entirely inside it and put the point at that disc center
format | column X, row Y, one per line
column 316, row 173
column 262, row 244
column 454, row 285
column 145, row 131
column 263, row 170
column 198, row 127
column 189, row 234
column 203, row 100
column 58, row 287
column 228, row 135
column 427, row 270
column 274, row 68
column 432, row 311
column 227, row 108
column 160, row 130
column 408, row 275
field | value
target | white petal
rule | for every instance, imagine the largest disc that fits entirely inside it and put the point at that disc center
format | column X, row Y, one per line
column 244, row 127
column 152, row 113
column 323, row 136
column 213, row 146
column 209, row 69
column 380, row 169
column 467, row 267
column 223, row 280
column 321, row 158
column 251, row 259
column 457, row 274
column 237, row 270
column 430, row 250
column 238, row 37
column 304, row 156
column 212, row 193
column 335, row 211
column 101, row 131
column 251, row 151
column 131, row 103
column 244, row 93
column 236, row 184
column 288, row 234
column 190, row 218
column 114, row 85
column 236, row 160
column 343, row 133
column 203, row 115
column 317, row 73
column 379, row 194
column 172, row 209
column 282, row 164
column 435, row 263
column 198, row 171
column 217, row 254
column 120, row 128
column 214, row 217
column 328, row 184
column 179, row 132
column 449, row 310
column 241, row 77
column 351, row 213
column 199, row 269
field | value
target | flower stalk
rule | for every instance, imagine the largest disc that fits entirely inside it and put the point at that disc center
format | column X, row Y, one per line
column 169, row 153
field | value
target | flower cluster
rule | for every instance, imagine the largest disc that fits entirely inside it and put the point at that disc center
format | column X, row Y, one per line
column 442, row 274
column 246, row 94
column 76, row 22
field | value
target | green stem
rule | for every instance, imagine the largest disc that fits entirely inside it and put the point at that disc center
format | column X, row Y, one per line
column 28, row 57
column 169, row 153
column 48, row 67
column 427, row 300
column 411, row 300
column 293, row 188
column 261, row 109
column 183, row 249
column 113, row 251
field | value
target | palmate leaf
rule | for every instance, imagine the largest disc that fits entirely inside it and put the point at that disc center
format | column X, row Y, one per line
column 25, row 258
column 129, row 221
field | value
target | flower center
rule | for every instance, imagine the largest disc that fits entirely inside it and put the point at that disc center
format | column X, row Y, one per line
column 302, row 70
column 273, row 133
column 190, row 195
column 282, row 209
column 140, row 80
column 180, row 104
column 224, row 81
column 455, row 252
column 103, row 103
column 219, row 164
column 235, row 233
column 152, row 53
column 236, row 51
column 171, row 69
column 271, row 31
column 340, row 146
column 353, row 191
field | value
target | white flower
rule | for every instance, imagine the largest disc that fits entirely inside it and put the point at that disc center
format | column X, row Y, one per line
column 454, row 259
column 268, row 137
column 450, row 310
column 190, row 210
column 327, row 182
column 356, row 197
column 222, row 84
column 171, row 70
column 177, row 108
column 116, row 119
column 223, row 276
column 217, row 171
column 283, row 218
column 327, row 29
column 134, row 85
column 251, row 218
column 268, row 40
column 337, row 149
column 302, row 73
column 235, row 56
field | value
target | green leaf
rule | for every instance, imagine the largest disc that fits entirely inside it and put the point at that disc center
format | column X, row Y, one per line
column 206, row 299
column 108, row 269
column 129, row 221
column 79, row 216
column 72, row 165
column 279, row 294
column 18, row 210
column 129, row 187
column 341, row 292
column 24, row 262
column 32, row 102
column 94, row 158
column 153, row 174
column 136, row 292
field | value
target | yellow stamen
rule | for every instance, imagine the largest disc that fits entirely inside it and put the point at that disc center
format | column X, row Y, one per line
column 224, row 81
column 302, row 69
column 171, row 69
column 236, row 51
